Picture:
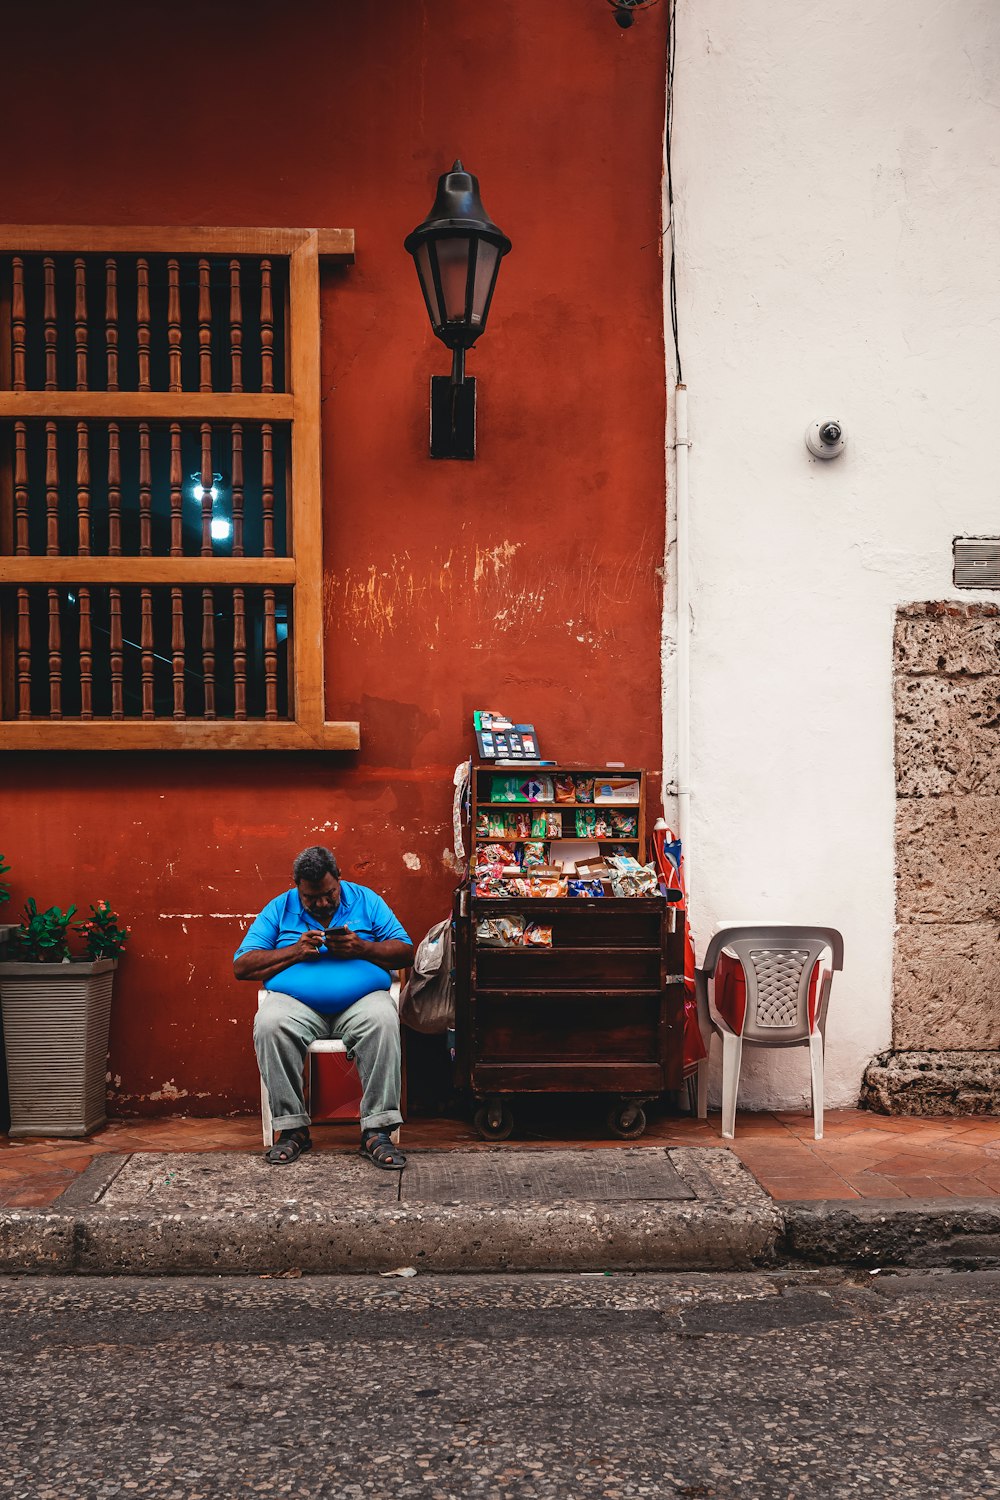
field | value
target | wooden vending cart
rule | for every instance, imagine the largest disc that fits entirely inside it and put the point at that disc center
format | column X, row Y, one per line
column 600, row 1011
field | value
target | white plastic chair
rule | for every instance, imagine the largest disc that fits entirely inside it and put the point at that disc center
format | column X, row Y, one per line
column 322, row 1045
column 778, row 963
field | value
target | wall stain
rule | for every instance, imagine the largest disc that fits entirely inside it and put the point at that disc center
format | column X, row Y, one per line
column 492, row 588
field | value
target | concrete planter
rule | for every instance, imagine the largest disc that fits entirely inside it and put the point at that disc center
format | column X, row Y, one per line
column 7, row 930
column 55, row 1023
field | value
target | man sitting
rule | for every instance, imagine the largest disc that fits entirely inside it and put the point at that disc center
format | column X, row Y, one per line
column 323, row 951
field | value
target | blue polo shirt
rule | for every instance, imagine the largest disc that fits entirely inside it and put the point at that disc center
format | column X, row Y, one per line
column 326, row 983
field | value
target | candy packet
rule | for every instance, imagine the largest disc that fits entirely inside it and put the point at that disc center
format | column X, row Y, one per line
column 537, row 936
column 584, row 788
column 565, row 788
column 500, row 932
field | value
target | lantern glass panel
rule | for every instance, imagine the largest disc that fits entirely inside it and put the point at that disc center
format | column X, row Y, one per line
column 453, row 264
column 487, row 256
column 426, row 274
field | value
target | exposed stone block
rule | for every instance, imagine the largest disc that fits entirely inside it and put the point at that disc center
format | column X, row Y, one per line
column 947, row 735
column 951, row 639
column 946, row 986
column 933, row 1083
column 947, row 859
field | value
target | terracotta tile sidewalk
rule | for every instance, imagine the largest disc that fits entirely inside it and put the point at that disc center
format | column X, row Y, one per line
column 862, row 1155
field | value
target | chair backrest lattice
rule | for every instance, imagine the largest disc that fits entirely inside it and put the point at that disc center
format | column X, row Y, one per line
column 778, row 964
column 778, row 974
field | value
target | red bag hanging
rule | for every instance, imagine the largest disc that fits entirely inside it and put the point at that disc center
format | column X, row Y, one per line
column 669, row 861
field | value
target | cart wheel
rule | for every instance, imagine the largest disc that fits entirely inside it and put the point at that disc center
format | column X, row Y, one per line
column 494, row 1121
column 628, row 1121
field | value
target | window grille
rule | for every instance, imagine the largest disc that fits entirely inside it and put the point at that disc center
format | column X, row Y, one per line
column 160, row 489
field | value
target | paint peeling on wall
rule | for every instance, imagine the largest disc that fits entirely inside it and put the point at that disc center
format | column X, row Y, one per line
column 494, row 588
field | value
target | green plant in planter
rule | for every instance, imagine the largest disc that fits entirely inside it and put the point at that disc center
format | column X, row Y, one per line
column 102, row 935
column 4, row 887
column 42, row 935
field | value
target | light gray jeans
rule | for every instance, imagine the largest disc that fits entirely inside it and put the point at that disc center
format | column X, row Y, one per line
column 282, row 1031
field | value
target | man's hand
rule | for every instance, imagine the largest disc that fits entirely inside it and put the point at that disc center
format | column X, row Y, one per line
column 343, row 943
column 309, row 944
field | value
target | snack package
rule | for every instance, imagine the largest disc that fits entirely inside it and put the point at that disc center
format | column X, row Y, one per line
column 602, row 825
column 539, row 885
column 492, row 854
column 586, row 823
column 565, row 788
column 616, row 789
column 500, row 932
column 537, row 789
column 630, row 878
column 539, row 825
column 624, row 824
column 497, row 824
column 482, row 824
column 584, row 788
column 585, row 888
column 506, row 789
column 535, row 853
column 537, row 936
column 553, row 824
column 522, row 824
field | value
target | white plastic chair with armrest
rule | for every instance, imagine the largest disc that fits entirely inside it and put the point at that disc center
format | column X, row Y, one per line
column 784, row 1006
column 322, row 1045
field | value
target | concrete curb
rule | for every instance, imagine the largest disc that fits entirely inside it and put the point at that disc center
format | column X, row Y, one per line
column 729, row 1224
column 893, row 1232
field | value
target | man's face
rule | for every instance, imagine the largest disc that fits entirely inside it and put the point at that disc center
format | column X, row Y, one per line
column 320, row 898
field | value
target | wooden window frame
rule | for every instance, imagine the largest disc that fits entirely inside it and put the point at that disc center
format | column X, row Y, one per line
column 306, row 728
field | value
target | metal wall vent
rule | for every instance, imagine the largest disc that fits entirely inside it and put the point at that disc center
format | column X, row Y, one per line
column 977, row 562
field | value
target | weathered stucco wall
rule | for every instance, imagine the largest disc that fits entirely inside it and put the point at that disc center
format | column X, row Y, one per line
column 946, row 991
column 529, row 580
column 837, row 180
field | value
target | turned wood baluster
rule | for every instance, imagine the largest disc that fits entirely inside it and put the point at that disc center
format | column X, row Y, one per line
column 236, row 324
column 49, row 318
column 51, row 491
column 177, row 650
column 207, row 598
column 114, row 490
column 145, row 494
column 80, row 315
column 86, row 657
column 266, row 328
column 18, row 325
column 55, row 657
column 111, row 320
column 174, row 323
column 20, row 489
column 239, row 597
column 270, row 657
column 83, row 489
column 115, row 601
column 176, row 493
column 142, row 320
column 23, row 655
column 146, row 646
column 114, row 550
column 267, row 485
column 204, row 327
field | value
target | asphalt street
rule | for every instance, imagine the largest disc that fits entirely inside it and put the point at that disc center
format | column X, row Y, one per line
column 792, row 1384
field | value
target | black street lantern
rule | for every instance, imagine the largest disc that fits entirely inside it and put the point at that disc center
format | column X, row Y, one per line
column 457, row 252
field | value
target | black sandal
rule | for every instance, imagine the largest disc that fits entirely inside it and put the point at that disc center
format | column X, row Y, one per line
column 377, row 1145
column 292, row 1145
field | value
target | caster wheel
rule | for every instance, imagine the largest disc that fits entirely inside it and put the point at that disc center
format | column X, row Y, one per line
column 495, row 1122
column 627, row 1121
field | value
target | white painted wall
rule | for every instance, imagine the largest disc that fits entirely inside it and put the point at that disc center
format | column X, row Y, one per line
column 837, row 192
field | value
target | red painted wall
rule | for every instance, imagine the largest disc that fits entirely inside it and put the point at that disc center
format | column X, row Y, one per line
column 526, row 581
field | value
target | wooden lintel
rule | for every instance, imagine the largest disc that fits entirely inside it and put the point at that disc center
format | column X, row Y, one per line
column 171, row 734
column 203, row 571
column 81, row 239
column 146, row 406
